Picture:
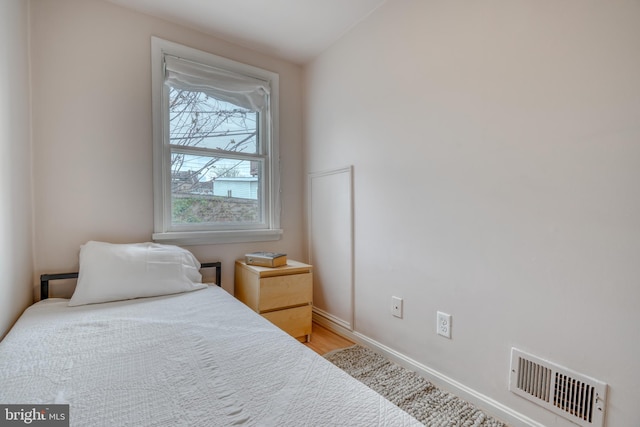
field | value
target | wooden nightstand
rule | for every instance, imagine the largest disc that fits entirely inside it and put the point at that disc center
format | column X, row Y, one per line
column 282, row 295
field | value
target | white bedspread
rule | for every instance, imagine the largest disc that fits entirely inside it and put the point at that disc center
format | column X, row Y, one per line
column 195, row 359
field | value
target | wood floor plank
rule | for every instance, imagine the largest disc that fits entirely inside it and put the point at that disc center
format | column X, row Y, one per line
column 323, row 340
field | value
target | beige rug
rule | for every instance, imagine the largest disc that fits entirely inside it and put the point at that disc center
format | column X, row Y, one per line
column 408, row 390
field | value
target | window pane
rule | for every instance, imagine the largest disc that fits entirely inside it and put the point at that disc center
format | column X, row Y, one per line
column 198, row 120
column 215, row 190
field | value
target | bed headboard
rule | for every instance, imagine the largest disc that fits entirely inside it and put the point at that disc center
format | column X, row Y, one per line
column 44, row 278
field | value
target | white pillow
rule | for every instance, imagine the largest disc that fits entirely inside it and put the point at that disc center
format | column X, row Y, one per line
column 113, row 272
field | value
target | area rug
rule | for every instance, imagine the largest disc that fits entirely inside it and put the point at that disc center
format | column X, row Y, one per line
column 408, row 390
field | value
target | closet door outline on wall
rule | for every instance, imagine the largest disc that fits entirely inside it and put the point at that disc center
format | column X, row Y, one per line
column 330, row 237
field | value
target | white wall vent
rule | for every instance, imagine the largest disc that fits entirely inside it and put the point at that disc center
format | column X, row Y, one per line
column 573, row 396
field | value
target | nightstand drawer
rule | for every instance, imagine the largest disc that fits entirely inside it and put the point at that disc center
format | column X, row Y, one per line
column 285, row 291
column 294, row 321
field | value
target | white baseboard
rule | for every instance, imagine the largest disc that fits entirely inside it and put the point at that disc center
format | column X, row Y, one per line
column 491, row 406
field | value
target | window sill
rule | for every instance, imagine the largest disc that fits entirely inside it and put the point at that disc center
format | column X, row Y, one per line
column 216, row 237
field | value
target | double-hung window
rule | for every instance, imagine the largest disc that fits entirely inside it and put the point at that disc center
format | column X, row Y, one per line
column 216, row 169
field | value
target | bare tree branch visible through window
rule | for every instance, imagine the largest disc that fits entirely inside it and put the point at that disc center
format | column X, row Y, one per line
column 198, row 120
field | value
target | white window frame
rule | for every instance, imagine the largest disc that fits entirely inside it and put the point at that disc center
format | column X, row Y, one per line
column 163, row 230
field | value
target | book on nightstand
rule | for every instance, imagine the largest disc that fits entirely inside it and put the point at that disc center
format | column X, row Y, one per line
column 266, row 259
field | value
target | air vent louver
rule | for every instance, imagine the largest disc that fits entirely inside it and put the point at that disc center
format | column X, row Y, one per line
column 574, row 396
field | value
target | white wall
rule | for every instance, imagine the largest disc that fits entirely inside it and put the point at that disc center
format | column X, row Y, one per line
column 16, row 260
column 92, row 131
column 512, row 133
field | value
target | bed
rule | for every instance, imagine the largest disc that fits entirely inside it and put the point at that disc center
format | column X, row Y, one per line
column 193, row 358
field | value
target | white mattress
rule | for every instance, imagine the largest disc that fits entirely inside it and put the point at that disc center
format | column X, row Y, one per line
column 194, row 359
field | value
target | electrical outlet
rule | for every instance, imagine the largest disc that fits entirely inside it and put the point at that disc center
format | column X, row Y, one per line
column 443, row 324
column 396, row 306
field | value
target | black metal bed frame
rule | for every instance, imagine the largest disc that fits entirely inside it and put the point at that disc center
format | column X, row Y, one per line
column 44, row 278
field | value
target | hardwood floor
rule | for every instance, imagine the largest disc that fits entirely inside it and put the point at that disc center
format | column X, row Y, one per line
column 323, row 340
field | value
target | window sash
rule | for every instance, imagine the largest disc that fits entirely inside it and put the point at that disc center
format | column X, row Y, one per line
column 213, row 123
column 262, row 214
